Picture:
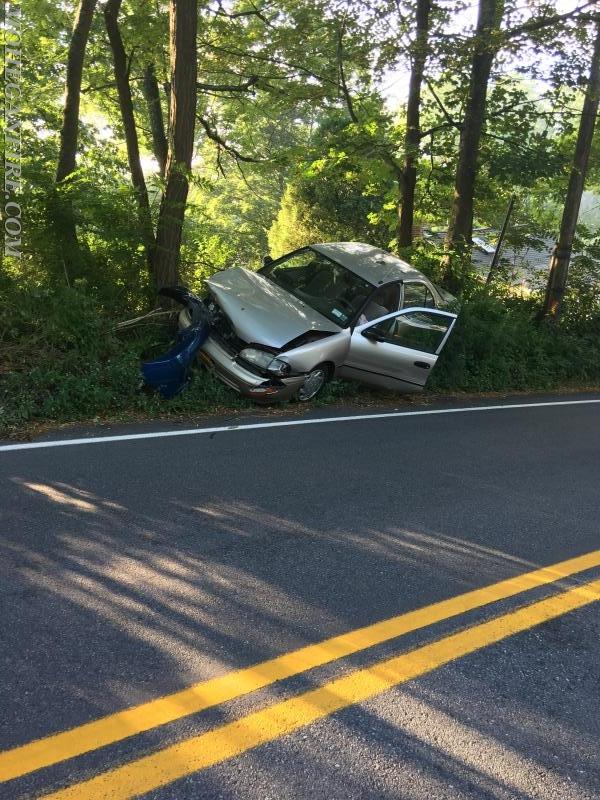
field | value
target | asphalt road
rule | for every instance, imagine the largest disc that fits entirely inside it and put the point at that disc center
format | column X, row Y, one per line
column 133, row 569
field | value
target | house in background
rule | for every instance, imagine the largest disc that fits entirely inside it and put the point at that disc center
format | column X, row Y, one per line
column 522, row 262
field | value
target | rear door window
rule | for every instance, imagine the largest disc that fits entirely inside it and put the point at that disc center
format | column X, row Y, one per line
column 417, row 294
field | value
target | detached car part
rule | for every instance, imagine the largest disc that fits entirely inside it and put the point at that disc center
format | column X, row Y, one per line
column 169, row 373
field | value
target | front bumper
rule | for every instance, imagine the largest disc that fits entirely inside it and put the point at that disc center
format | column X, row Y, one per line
column 242, row 380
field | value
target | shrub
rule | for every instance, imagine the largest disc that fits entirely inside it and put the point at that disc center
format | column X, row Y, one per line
column 63, row 361
column 497, row 346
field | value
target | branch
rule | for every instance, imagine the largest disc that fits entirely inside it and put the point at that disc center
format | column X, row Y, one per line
column 219, row 162
column 343, row 84
column 510, row 106
column 268, row 59
column 255, row 12
column 449, row 119
column 516, row 143
column 228, row 87
column 442, row 126
column 545, row 22
column 498, row 113
column 149, row 317
column 130, row 62
column 98, row 88
column 214, row 136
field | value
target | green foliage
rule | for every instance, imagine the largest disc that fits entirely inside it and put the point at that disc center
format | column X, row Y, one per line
column 321, row 211
column 338, row 192
column 62, row 361
column 498, row 346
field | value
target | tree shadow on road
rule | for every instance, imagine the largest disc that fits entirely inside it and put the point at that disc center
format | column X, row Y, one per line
column 111, row 598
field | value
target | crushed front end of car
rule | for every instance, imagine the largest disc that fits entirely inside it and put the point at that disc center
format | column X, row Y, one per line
column 253, row 370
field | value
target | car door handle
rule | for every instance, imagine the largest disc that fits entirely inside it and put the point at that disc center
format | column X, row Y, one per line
column 422, row 364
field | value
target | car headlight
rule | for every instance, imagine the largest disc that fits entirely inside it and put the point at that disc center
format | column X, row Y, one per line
column 279, row 367
column 266, row 361
column 259, row 358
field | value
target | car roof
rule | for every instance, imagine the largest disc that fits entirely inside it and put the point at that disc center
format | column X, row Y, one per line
column 371, row 263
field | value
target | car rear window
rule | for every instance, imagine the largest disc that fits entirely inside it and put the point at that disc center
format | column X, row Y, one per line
column 416, row 293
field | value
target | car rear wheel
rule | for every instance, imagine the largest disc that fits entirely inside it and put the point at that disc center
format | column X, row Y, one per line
column 313, row 383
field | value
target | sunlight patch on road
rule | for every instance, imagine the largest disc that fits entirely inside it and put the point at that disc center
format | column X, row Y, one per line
column 60, row 497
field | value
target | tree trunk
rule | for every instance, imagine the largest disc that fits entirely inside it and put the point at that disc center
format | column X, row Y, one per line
column 111, row 15
column 413, row 126
column 155, row 117
column 460, row 228
column 183, row 23
column 64, row 219
column 561, row 256
column 70, row 127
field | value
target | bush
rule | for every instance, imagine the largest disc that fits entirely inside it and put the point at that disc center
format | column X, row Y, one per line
column 498, row 346
column 63, row 361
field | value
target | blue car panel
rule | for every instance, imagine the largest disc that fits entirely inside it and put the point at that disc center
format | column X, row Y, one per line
column 169, row 373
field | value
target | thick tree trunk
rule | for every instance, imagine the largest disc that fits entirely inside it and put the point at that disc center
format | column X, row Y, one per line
column 460, row 228
column 413, row 125
column 183, row 23
column 561, row 256
column 111, row 15
column 155, row 117
column 64, row 218
column 70, row 127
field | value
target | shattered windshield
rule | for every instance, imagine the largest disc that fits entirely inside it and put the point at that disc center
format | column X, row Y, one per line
column 325, row 286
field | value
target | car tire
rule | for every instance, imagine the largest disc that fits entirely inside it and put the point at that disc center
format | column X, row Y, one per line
column 314, row 383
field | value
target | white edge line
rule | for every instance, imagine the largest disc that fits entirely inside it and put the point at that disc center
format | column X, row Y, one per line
column 283, row 424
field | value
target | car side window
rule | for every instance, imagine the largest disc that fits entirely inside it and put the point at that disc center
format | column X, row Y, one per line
column 385, row 300
column 417, row 294
column 417, row 330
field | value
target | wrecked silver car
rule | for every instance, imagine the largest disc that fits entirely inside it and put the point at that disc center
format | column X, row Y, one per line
column 342, row 309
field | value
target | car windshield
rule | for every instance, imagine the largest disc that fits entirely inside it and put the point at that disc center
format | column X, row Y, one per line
column 329, row 288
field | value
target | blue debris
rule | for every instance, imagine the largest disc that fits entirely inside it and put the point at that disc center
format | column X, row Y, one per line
column 169, row 373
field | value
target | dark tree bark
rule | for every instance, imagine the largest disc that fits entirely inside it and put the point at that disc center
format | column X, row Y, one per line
column 460, row 228
column 561, row 256
column 70, row 127
column 155, row 117
column 183, row 23
column 111, row 17
column 413, row 125
column 64, row 218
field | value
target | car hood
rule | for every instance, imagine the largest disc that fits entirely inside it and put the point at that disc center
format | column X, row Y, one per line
column 262, row 312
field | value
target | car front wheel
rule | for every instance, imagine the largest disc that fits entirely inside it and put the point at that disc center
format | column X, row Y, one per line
column 314, row 382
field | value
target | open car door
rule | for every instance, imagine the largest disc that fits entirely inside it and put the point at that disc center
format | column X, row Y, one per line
column 399, row 350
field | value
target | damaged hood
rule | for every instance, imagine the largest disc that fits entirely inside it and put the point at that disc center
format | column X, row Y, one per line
column 262, row 312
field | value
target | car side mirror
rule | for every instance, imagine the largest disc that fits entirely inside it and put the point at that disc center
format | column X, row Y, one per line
column 267, row 260
column 372, row 335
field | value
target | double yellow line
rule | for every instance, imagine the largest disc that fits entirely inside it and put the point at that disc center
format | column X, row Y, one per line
column 225, row 741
